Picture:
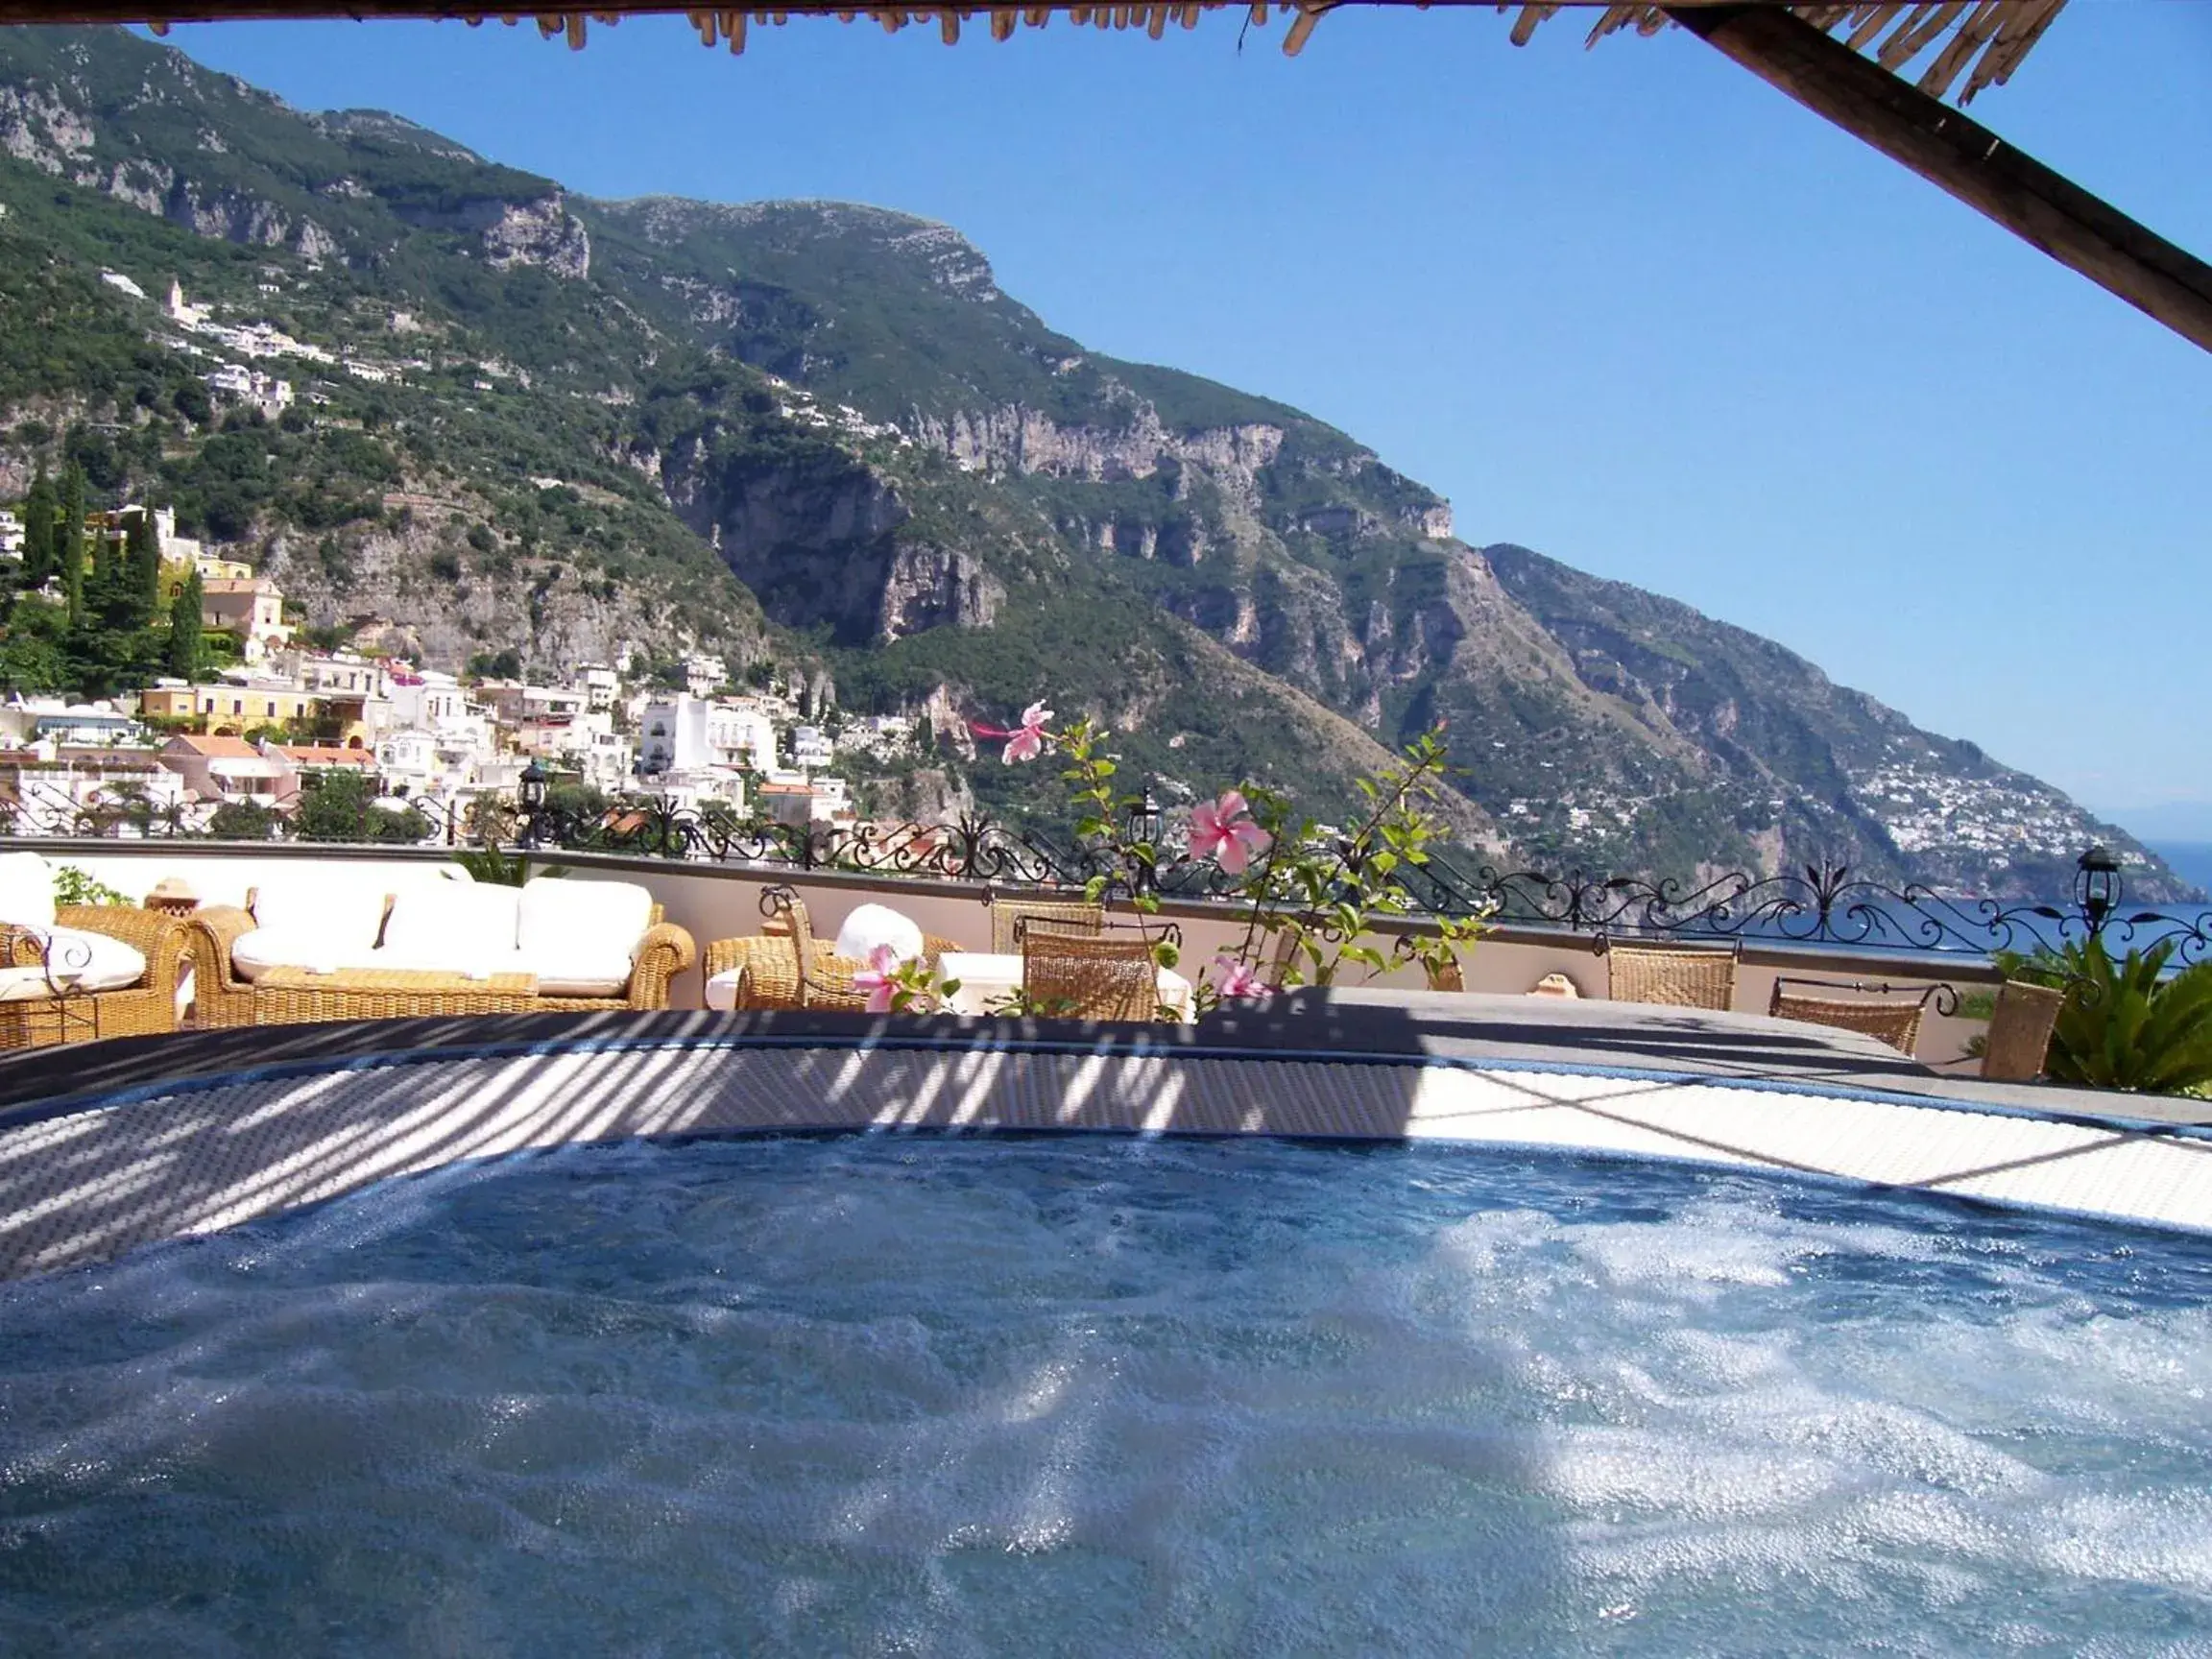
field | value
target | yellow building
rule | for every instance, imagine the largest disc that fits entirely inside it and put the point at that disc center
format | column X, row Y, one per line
column 174, row 571
column 229, row 711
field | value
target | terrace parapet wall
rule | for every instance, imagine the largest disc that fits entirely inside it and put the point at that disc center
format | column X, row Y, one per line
column 723, row 901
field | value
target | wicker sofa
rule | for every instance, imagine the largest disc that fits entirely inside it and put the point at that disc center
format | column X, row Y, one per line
column 326, row 949
column 74, row 972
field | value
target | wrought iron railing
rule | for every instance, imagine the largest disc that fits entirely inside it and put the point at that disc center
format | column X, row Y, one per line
column 1823, row 905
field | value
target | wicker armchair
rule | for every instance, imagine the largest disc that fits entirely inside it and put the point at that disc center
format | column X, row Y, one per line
column 1072, row 976
column 1677, row 975
column 2019, row 1039
column 1010, row 919
column 223, row 998
column 148, row 1007
column 1880, row 1011
column 789, row 967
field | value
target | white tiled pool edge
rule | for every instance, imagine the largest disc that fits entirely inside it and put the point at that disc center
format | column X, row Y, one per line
column 89, row 1185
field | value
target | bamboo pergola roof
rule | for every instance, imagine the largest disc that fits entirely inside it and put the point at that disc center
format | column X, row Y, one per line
column 1968, row 45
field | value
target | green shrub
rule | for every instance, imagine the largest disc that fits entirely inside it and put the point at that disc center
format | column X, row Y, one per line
column 2125, row 1025
column 75, row 886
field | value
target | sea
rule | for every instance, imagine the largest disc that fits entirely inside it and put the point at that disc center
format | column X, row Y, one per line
column 2191, row 860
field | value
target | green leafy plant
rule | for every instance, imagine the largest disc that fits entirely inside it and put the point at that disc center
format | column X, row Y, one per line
column 75, row 886
column 1311, row 894
column 2125, row 1025
column 493, row 868
column 243, row 821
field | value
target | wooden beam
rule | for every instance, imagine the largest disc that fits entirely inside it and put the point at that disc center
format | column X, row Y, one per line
column 1965, row 158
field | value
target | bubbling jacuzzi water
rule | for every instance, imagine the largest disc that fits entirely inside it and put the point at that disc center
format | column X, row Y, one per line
column 1108, row 1397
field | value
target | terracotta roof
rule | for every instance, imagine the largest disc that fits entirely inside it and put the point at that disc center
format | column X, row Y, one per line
column 218, row 748
column 325, row 755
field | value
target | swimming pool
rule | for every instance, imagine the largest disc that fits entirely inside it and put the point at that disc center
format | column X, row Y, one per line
column 1111, row 1396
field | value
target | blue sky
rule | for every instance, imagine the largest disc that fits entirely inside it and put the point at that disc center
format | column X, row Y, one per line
column 1628, row 306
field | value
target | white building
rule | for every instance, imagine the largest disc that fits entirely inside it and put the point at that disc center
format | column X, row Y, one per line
column 266, row 393
column 27, row 720
column 606, row 761
column 10, row 536
column 512, row 701
column 602, row 685
column 673, row 735
column 704, row 673
column 339, row 674
column 426, row 697
column 811, row 748
column 178, row 312
column 687, row 734
column 407, row 758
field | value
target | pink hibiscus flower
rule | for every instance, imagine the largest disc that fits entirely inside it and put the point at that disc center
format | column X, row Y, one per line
column 1225, row 830
column 1028, row 741
column 1239, row 979
column 876, row 979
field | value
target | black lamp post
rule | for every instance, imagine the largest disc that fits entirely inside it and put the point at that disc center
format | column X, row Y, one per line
column 533, row 801
column 1145, row 826
column 2096, row 885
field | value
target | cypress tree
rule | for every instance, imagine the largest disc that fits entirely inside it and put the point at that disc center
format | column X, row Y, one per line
column 187, row 655
column 72, row 549
column 138, row 578
column 39, row 508
column 100, row 579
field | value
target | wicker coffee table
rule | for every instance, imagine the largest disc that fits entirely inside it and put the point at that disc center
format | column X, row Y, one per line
column 296, row 995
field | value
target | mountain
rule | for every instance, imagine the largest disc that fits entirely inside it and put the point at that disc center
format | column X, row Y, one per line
column 819, row 438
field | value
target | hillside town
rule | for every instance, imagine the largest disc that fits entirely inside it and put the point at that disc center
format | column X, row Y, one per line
column 258, row 732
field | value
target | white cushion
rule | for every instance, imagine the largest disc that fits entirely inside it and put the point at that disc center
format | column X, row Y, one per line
column 874, row 925
column 562, row 917
column 318, row 950
column 26, row 890
column 579, row 971
column 333, row 901
column 76, row 960
column 452, row 922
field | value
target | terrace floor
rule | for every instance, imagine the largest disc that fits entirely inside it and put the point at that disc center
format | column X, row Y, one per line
column 106, row 1147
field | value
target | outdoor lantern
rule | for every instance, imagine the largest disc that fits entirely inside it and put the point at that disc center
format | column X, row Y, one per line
column 1144, row 822
column 2097, row 885
column 1145, row 827
column 532, row 789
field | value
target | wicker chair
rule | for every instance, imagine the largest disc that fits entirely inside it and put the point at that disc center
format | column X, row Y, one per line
column 138, row 1010
column 1677, row 975
column 1070, row 975
column 790, row 968
column 1889, row 1015
column 2019, row 1039
column 1010, row 919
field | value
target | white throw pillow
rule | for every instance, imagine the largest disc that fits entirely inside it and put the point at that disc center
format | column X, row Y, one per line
column 80, row 960
column 455, row 922
column 874, row 925
column 26, row 890
column 563, row 916
column 349, row 912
